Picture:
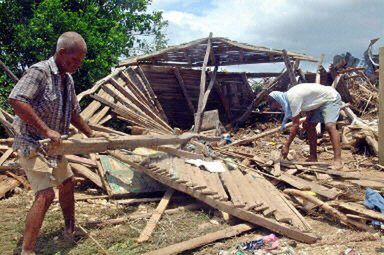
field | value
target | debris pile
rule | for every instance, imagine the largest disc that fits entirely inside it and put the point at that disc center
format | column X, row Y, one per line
column 239, row 174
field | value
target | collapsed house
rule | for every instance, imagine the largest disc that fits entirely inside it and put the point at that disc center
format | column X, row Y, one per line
column 160, row 94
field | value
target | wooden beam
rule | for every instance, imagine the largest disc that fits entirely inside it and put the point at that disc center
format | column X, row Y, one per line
column 180, row 81
column 290, row 69
column 152, row 94
column 87, row 173
column 319, row 65
column 90, row 145
column 197, row 242
column 381, row 107
column 257, row 100
column 268, row 132
column 202, row 83
column 224, row 101
column 151, row 225
column 208, row 91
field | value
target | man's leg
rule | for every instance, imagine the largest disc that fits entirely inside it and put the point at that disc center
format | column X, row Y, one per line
column 35, row 217
column 335, row 139
column 312, row 140
column 67, row 203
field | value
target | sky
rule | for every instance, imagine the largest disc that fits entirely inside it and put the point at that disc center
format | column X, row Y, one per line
column 307, row 26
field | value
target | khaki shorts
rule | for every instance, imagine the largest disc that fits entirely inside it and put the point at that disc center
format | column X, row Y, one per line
column 40, row 175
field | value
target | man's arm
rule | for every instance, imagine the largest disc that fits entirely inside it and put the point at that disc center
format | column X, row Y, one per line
column 29, row 116
column 80, row 124
column 292, row 134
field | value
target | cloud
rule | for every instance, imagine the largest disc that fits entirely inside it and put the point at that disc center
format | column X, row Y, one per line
column 306, row 26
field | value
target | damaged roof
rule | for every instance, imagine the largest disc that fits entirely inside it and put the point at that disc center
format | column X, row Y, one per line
column 225, row 52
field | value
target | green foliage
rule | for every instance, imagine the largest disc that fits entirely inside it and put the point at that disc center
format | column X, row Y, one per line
column 29, row 30
column 256, row 85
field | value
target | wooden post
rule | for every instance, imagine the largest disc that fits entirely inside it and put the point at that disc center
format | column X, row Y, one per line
column 381, row 107
column 290, row 70
column 180, row 81
column 202, row 83
column 320, row 64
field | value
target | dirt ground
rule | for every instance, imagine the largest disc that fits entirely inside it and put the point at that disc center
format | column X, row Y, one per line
column 120, row 239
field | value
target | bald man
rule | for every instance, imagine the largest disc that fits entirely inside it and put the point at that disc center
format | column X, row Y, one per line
column 45, row 103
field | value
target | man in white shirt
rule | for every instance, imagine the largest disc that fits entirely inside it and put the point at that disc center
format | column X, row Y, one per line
column 321, row 104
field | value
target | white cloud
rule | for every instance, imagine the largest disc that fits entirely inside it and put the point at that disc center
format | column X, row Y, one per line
column 307, row 26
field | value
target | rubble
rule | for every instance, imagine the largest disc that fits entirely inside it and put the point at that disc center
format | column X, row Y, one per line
column 155, row 101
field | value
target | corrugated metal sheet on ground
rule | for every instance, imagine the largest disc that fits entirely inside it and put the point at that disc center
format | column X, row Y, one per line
column 122, row 179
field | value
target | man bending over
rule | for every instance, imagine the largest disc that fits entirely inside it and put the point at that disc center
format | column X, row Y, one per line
column 321, row 104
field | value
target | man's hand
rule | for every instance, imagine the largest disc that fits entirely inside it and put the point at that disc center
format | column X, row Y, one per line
column 53, row 135
column 284, row 151
column 96, row 134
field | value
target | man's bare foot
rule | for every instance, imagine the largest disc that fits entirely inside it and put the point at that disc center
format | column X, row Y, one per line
column 337, row 165
column 27, row 252
column 75, row 235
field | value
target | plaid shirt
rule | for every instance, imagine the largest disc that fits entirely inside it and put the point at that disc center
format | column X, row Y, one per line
column 52, row 98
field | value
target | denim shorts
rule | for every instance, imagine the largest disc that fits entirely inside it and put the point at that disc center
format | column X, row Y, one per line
column 327, row 113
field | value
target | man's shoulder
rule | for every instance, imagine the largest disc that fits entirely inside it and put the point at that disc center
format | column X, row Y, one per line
column 41, row 66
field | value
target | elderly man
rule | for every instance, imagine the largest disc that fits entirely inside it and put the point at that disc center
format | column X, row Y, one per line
column 321, row 104
column 45, row 103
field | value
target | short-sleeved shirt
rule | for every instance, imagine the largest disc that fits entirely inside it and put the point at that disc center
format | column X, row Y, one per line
column 306, row 97
column 52, row 97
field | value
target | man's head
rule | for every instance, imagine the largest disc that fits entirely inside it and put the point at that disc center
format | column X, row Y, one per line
column 273, row 104
column 70, row 52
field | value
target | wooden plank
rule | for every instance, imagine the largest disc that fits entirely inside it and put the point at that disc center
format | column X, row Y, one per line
column 381, row 107
column 101, row 173
column 275, row 157
column 130, row 84
column 131, row 116
column 202, row 83
column 7, row 125
column 329, row 209
column 208, row 91
column 360, row 209
column 81, row 160
column 258, row 136
column 315, row 187
column 219, row 186
column 224, row 101
column 98, row 116
column 98, row 84
column 194, row 243
column 139, row 104
column 7, row 184
column 140, row 113
column 233, row 189
column 5, row 156
column 151, row 225
column 180, row 81
column 89, row 145
column 302, row 236
column 84, row 171
column 245, row 189
column 152, row 94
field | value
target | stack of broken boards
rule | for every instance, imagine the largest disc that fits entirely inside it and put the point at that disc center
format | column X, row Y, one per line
column 249, row 197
